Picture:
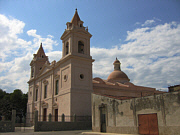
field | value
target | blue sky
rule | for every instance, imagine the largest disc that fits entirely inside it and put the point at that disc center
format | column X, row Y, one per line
column 144, row 35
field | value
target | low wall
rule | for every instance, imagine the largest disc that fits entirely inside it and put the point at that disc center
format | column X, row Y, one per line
column 8, row 126
column 60, row 126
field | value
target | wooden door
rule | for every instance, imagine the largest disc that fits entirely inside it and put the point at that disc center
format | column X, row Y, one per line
column 148, row 124
column 56, row 114
column 153, row 124
column 44, row 114
column 103, row 119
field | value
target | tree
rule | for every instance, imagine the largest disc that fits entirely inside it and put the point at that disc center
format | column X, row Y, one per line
column 16, row 100
column 2, row 94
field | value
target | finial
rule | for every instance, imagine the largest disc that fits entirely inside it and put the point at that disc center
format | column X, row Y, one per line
column 41, row 44
column 116, row 58
column 76, row 9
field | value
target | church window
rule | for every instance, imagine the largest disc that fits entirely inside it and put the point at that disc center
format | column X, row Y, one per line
column 81, row 76
column 36, row 95
column 40, row 68
column 80, row 47
column 32, row 72
column 80, row 25
column 65, row 78
column 42, row 56
column 67, row 48
column 57, row 87
column 45, row 91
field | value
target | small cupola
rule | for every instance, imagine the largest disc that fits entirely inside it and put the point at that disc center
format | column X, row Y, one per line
column 117, row 64
column 117, row 75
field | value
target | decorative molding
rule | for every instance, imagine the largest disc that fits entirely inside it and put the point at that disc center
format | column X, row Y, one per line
column 56, row 77
column 102, row 105
column 55, row 105
column 45, row 81
column 35, row 108
column 44, row 104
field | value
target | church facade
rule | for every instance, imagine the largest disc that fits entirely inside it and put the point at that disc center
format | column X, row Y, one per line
column 63, row 87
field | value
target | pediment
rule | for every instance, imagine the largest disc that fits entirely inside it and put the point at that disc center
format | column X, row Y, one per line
column 44, row 69
column 55, row 105
column 44, row 104
column 64, row 34
column 83, row 32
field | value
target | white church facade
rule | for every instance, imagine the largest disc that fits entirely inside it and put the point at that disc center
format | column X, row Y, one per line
column 63, row 87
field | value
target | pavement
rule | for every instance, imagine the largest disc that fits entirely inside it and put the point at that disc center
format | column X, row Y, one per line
column 30, row 131
column 74, row 132
column 100, row 133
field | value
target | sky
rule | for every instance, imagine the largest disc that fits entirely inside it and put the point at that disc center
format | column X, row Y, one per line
column 143, row 35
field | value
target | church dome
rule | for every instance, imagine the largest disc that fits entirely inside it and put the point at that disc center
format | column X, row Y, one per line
column 117, row 74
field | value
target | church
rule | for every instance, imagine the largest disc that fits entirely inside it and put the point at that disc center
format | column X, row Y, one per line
column 65, row 86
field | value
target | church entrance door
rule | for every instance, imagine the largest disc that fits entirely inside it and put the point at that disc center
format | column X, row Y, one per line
column 44, row 114
column 56, row 114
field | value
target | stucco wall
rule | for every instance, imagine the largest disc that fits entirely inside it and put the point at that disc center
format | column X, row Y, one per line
column 122, row 115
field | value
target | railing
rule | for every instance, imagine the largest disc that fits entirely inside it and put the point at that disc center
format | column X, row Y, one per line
column 64, row 118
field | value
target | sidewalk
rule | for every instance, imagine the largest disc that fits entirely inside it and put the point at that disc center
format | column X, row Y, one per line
column 100, row 133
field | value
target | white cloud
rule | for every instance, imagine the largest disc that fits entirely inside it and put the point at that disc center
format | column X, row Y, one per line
column 47, row 42
column 153, row 52
column 9, row 41
column 16, row 53
column 54, row 55
column 148, row 22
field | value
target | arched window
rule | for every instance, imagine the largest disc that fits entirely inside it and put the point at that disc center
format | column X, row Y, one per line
column 36, row 95
column 80, row 47
column 32, row 72
column 67, row 48
column 45, row 91
column 57, row 87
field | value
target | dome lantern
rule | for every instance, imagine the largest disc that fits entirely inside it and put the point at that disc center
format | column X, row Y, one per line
column 117, row 64
column 117, row 75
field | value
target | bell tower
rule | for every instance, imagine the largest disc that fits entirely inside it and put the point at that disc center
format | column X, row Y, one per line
column 76, row 38
column 38, row 61
column 76, row 56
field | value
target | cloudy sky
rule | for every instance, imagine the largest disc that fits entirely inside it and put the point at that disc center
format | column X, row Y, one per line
column 143, row 35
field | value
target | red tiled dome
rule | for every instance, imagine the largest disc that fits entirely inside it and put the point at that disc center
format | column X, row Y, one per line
column 118, row 75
